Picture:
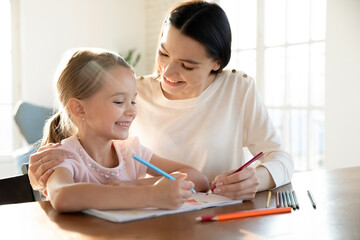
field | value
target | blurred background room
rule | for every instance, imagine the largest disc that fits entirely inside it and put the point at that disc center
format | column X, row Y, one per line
column 303, row 54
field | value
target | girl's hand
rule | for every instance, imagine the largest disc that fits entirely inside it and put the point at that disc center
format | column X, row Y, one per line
column 170, row 194
column 242, row 185
column 41, row 164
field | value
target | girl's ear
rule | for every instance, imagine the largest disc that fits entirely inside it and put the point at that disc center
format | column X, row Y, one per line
column 76, row 108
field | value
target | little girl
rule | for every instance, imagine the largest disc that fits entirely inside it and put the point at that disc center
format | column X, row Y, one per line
column 97, row 91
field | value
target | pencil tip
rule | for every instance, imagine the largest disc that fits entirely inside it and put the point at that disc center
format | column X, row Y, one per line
column 198, row 219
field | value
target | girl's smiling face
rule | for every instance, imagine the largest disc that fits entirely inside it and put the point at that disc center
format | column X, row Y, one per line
column 111, row 110
column 184, row 65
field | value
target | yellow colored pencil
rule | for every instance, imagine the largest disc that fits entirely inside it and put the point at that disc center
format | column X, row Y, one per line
column 268, row 199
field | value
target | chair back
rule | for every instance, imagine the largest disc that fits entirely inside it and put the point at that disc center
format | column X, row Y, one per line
column 31, row 119
column 16, row 190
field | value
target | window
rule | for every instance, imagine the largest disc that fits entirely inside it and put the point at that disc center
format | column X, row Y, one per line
column 281, row 43
column 6, row 120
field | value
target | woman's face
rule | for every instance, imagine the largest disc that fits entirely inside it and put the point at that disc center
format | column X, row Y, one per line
column 184, row 64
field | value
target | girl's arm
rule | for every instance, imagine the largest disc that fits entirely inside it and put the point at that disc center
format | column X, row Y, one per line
column 199, row 179
column 67, row 196
column 137, row 182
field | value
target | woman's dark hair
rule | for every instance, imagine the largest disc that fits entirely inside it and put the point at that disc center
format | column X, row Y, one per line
column 208, row 24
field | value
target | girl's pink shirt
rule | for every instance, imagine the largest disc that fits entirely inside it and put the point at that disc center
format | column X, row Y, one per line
column 84, row 169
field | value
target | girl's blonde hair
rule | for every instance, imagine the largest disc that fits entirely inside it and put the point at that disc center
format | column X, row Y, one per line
column 81, row 78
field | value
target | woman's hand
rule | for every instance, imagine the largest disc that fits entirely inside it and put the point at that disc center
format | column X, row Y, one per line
column 242, row 185
column 170, row 194
column 41, row 164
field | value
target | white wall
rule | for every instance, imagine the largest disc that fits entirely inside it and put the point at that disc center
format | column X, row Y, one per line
column 44, row 29
column 49, row 27
column 156, row 11
column 342, row 110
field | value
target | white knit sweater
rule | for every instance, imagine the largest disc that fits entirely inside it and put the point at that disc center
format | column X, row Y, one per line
column 209, row 132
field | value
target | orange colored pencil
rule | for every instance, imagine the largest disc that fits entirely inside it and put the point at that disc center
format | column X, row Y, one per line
column 242, row 214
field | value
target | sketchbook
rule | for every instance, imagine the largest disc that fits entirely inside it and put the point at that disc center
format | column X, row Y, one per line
column 196, row 202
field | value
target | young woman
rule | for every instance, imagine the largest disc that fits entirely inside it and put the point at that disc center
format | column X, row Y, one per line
column 97, row 92
column 197, row 113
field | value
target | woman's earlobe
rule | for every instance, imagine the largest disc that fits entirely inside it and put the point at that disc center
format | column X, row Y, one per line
column 217, row 66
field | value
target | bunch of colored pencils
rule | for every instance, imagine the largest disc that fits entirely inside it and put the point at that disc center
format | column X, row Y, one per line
column 286, row 199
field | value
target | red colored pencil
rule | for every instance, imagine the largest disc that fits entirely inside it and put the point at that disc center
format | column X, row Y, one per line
column 249, row 162
column 242, row 214
column 244, row 166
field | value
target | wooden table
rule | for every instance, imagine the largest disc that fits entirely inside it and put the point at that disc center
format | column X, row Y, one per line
column 337, row 216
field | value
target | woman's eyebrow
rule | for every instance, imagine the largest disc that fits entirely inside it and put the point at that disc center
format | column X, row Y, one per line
column 189, row 61
column 181, row 59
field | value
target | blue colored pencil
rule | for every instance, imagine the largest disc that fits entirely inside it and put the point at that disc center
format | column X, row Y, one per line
column 295, row 199
column 293, row 205
column 284, row 199
column 281, row 199
column 288, row 198
column 165, row 174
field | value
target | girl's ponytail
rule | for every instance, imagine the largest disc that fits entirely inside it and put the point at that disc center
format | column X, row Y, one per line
column 57, row 128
